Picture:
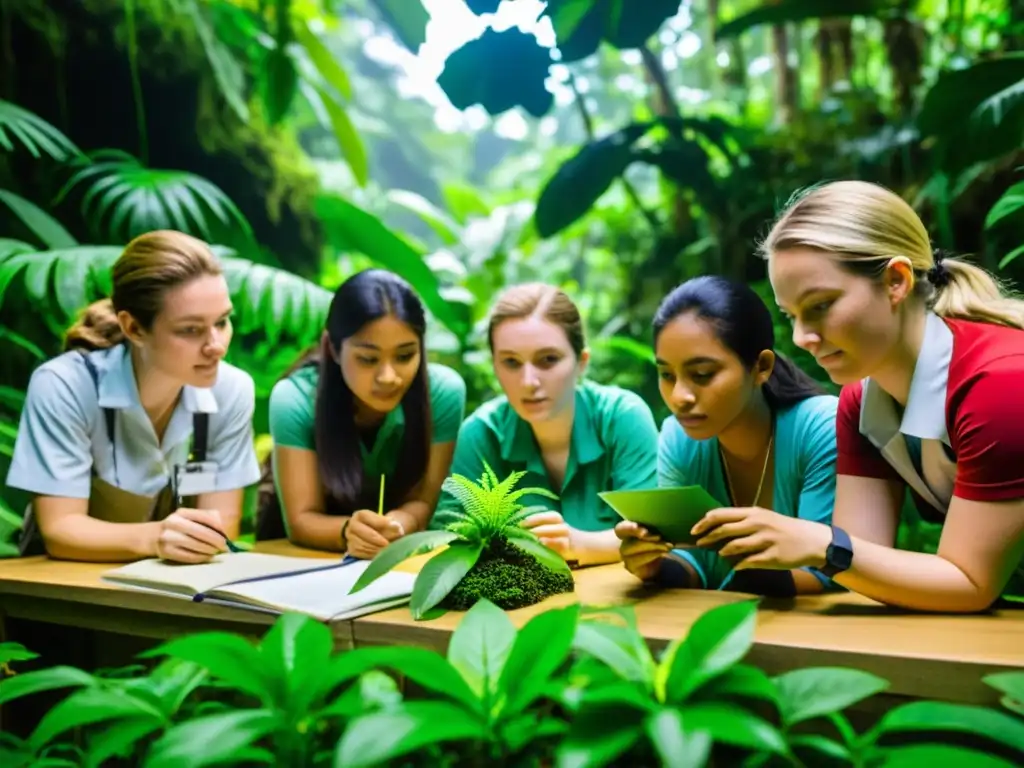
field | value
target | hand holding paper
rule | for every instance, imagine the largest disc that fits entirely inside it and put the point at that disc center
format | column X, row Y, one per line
column 669, row 513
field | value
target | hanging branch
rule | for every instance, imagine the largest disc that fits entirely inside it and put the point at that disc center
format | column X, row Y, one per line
column 588, row 126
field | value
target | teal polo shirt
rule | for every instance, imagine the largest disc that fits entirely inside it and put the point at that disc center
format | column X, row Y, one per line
column 293, row 412
column 614, row 446
column 804, row 481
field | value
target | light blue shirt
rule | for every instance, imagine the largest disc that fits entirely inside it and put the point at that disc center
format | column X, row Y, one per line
column 62, row 434
column 804, row 477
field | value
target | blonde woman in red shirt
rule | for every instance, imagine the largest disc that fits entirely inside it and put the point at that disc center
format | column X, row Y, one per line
column 930, row 356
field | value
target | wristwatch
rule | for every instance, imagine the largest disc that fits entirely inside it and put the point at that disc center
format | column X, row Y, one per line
column 839, row 555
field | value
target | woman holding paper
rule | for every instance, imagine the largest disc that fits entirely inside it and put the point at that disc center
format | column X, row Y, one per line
column 930, row 354
column 137, row 441
column 748, row 426
column 573, row 437
column 364, row 430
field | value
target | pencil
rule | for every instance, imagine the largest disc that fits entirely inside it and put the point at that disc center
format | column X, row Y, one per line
column 380, row 504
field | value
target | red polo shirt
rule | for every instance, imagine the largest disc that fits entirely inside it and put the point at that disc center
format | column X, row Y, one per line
column 983, row 410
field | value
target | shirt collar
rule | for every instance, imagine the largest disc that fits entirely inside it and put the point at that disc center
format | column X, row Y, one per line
column 519, row 445
column 925, row 414
column 117, row 387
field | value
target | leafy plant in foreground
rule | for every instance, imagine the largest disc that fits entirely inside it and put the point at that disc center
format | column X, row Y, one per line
column 489, row 555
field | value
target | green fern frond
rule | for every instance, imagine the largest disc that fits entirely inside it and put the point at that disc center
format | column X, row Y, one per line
column 494, row 482
column 506, row 485
column 519, row 515
column 516, row 495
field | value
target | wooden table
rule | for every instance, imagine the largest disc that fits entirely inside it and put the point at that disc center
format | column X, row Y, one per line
column 941, row 657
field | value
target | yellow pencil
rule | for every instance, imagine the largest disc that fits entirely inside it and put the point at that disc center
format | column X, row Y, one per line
column 380, row 504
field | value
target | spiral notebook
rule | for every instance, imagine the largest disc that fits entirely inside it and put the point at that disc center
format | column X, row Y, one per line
column 271, row 584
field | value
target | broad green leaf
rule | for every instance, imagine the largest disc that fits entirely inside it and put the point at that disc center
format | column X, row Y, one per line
column 91, row 705
column 407, row 18
column 581, row 25
column 423, row 667
column 169, row 684
column 118, row 739
column 439, row 221
column 541, row 648
column 816, row 691
column 373, row 690
column 49, row 231
column 602, row 731
column 33, row 133
column 730, row 724
column 1010, row 683
column 531, row 545
column 441, row 573
column 278, row 83
column 948, row 718
column 611, row 345
column 820, row 745
column 352, row 148
column 227, row 71
column 743, row 681
column 676, row 744
column 479, row 73
column 325, row 62
column 1011, row 256
column 940, row 756
column 399, row 551
column 210, row 740
column 37, row 681
column 578, row 184
column 380, row 737
column 353, row 229
column 295, row 652
column 480, row 646
column 615, row 647
column 718, row 639
column 228, row 657
column 1010, row 203
column 787, row 11
column 11, row 651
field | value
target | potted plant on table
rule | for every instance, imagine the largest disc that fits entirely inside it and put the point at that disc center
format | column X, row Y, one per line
column 488, row 553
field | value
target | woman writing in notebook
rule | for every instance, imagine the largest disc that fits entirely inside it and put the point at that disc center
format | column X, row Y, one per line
column 366, row 410
column 748, row 426
column 137, row 441
column 572, row 437
column 930, row 354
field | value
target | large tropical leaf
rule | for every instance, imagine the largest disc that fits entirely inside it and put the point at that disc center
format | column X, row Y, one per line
column 786, row 11
column 32, row 132
column 125, row 199
column 41, row 224
column 228, row 72
column 580, row 26
column 407, row 18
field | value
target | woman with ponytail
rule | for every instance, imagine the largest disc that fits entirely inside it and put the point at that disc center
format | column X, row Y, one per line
column 930, row 354
column 748, row 426
column 137, row 441
column 367, row 411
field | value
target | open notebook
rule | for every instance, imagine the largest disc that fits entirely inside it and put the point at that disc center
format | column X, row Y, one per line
column 271, row 583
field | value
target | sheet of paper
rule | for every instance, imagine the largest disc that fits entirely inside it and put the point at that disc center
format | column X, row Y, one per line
column 225, row 568
column 671, row 512
column 324, row 594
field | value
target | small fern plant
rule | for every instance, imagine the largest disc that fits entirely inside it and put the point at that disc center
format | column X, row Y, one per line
column 485, row 528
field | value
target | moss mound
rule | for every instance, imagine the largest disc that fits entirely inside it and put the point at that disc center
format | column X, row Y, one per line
column 509, row 578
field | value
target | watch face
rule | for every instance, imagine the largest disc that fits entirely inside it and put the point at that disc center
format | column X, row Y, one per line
column 839, row 557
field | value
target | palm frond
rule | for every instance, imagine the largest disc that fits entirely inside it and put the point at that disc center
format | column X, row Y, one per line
column 35, row 134
column 123, row 199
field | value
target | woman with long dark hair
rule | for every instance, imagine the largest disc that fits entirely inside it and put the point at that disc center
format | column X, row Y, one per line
column 366, row 412
column 748, row 426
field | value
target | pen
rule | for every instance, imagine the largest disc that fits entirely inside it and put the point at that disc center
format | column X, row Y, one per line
column 232, row 547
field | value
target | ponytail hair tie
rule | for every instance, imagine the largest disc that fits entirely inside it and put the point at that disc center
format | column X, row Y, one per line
column 938, row 275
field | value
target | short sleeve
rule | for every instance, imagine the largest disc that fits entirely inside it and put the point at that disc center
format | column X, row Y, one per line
column 817, row 444
column 232, row 442
column 447, row 403
column 634, row 445
column 475, row 444
column 291, row 416
column 988, row 438
column 855, row 455
column 53, row 450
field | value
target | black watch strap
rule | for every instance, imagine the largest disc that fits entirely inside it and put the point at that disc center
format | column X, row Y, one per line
column 839, row 555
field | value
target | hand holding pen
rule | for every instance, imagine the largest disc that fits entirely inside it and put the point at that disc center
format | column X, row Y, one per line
column 192, row 536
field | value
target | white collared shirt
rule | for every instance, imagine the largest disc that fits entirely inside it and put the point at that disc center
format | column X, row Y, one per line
column 62, row 434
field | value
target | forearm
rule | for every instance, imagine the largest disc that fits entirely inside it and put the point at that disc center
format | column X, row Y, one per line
column 413, row 515
column 910, row 580
column 85, row 538
column 317, row 530
column 596, row 547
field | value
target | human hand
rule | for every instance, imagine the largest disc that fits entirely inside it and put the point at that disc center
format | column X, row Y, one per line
column 760, row 538
column 368, row 533
column 641, row 550
column 191, row 536
column 553, row 532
